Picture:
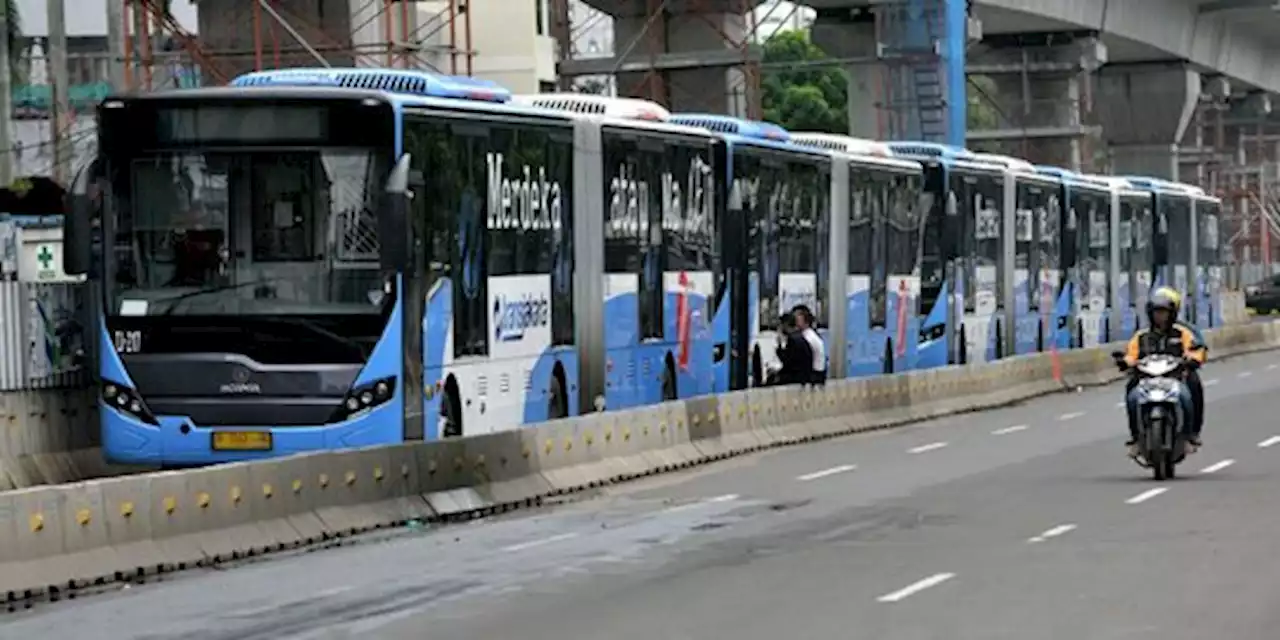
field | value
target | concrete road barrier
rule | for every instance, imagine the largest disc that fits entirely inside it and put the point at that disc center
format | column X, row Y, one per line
column 62, row 537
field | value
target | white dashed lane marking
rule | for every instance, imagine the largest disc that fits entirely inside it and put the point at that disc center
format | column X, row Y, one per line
column 1053, row 533
column 1218, row 466
column 1070, row 416
column 1273, row 440
column 1146, row 495
column 540, row 542
column 1007, row 430
column 907, row 592
column 927, row 447
column 826, row 472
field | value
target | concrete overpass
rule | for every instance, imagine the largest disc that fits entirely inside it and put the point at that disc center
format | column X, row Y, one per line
column 1139, row 66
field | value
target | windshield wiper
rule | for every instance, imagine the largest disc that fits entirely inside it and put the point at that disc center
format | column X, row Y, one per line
column 176, row 301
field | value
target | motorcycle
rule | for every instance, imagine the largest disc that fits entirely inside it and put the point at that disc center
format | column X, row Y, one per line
column 1164, row 409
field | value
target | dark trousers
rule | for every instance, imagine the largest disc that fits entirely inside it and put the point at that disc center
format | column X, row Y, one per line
column 1197, row 404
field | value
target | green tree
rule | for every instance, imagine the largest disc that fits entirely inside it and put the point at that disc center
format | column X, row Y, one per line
column 983, row 115
column 13, row 20
column 798, row 96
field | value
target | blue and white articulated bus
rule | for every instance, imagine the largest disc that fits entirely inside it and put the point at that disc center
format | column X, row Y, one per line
column 271, row 285
column 665, row 315
column 1135, row 264
column 1032, row 213
column 1086, row 257
column 1173, row 232
column 1209, row 260
column 962, row 254
column 878, row 207
column 777, row 219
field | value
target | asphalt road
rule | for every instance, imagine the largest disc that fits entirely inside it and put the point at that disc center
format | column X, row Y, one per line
column 1021, row 523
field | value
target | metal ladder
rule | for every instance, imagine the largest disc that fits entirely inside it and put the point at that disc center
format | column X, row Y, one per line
column 910, row 36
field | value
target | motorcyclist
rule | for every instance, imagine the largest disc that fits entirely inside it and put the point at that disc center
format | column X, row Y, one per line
column 1169, row 337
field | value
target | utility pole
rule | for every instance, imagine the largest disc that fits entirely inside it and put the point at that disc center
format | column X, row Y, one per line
column 115, row 44
column 60, row 117
column 6, row 100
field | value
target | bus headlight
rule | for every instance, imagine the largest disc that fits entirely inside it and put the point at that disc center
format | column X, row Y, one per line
column 365, row 397
column 126, row 400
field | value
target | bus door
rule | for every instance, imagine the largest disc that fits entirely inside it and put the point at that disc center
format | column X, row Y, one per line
column 1031, row 199
column 940, row 288
column 904, row 214
column 865, row 286
column 733, row 329
column 1093, row 267
column 979, row 198
column 1142, row 259
column 1066, row 286
column 1209, row 275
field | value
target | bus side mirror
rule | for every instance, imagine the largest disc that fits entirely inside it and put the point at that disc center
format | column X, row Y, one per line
column 77, row 223
column 393, row 219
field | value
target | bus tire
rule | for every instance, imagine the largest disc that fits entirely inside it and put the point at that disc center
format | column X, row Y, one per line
column 670, row 386
column 557, row 399
column 451, row 409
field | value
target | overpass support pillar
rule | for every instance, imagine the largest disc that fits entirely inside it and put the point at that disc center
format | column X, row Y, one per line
column 1144, row 110
column 697, row 60
column 853, row 40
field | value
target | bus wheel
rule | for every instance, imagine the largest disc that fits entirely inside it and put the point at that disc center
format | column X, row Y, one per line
column 451, row 410
column 557, row 399
column 669, row 389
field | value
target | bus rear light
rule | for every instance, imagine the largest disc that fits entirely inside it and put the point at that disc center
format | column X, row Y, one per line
column 126, row 400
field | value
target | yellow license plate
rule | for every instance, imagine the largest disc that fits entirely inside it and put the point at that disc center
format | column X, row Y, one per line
column 241, row 441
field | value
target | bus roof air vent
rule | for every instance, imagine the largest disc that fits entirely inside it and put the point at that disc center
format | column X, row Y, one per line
column 1057, row 172
column 735, row 126
column 400, row 81
column 625, row 108
column 929, row 150
column 1008, row 162
column 844, row 144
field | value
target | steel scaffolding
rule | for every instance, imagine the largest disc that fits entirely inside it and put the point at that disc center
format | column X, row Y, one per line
column 153, row 51
column 643, row 66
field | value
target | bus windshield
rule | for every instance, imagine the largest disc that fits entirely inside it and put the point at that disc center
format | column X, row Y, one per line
column 245, row 232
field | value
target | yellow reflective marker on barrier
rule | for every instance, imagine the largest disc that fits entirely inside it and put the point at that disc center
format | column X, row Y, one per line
column 170, row 505
column 377, row 474
column 203, row 500
column 36, row 522
column 297, row 486
column 236, row 495
column 126, row 509
column 267, row 491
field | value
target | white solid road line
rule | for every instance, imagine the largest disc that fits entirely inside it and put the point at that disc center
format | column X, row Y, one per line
column 1218, row 466
column 1053, row 533
column 1245, row 374
column 1007, row 430
column 1146, row 495
column 927, row 447
column 1269, row 442
column 826, row 472
column 538, row 543
column 1070, row 416
column 927, row 583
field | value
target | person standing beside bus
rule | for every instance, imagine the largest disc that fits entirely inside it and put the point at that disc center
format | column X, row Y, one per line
column 804, row 326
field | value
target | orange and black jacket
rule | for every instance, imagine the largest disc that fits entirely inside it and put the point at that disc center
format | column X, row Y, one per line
column 1179, row 341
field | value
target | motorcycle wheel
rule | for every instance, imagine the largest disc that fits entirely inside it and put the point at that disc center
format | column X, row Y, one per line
column 1158, row 467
